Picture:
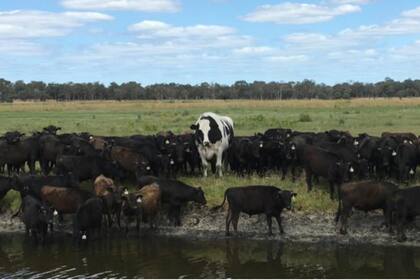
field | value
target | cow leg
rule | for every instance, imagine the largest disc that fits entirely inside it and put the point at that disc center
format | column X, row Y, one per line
column 278, row 218
column 228, row 221
column 269, row 223
column 219, row 166
column 346, row 208
column 205, row 165
column 308, row 179
column 331, row 190
column 401, row 220
column 235, row 219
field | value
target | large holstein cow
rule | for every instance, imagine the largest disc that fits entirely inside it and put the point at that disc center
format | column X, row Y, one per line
column 213, row 135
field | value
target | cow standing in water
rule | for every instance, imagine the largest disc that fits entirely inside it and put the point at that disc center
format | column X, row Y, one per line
column 213, row 135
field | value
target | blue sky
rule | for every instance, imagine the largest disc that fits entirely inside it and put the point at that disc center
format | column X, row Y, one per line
column 194, row 41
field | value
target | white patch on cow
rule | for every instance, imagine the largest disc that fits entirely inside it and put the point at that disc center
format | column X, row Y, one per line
column 356, row 142
column 394, row 153
column 411, row 171
column 126, row 192
column 405, row 141
column 167, row 142
column 55, row 213
column 139, row 200
column 172, row 162
column 411, row 142
column 287, row 135
column 293, row 147
column 351, row 169
column 148, row 168
column 84, row 237
column 261, row 145
column 358, row 155
column 293, row 198
column 91, row 138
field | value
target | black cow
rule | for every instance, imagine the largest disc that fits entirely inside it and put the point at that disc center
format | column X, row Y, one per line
column 32, row 184
column 19, row 152
column 406, row 160
column 175, row 194
column 88, row 219
column 405, row 207
column 36, row 217
column 268, row 200
column 131, row 208
column 6, row 184
column 87, row 167
column 384, row 156
column 365, row 196
column 320, row 162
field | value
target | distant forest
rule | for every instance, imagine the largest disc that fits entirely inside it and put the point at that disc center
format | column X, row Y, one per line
column 306, row 89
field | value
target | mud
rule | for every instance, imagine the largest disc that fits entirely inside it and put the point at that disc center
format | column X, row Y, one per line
column 203, row 223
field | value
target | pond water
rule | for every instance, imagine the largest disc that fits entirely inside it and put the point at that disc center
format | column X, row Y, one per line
column 163, row 257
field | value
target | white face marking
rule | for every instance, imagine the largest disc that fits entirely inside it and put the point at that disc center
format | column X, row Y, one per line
column 293, row 148
column 394, row 153
column 205, row 129
column 356, row 142
column 411, row 171
column 405, row 141
column 148, row 168
column 126, row 192
column 261, row 145
column 293, row 198
column 172, row 161
column 91, row 138
column 167, row 142
column 84, row 237
column 55, row 213
column 139, row 200
column 351, row 170
column 287, row 135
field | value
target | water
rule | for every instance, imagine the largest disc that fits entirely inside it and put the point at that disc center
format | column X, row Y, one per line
column 162, row 257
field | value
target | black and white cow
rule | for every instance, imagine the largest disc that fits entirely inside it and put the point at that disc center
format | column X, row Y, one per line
column 213, row 135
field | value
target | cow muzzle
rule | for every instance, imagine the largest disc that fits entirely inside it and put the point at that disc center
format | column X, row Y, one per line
column 206, row 144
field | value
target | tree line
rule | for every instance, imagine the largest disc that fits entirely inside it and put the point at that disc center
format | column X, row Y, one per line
column 306, row 89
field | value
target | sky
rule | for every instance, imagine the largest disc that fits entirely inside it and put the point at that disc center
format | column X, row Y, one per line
column 214, row 41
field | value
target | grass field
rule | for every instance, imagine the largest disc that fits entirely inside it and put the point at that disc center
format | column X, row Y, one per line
column 148, row 117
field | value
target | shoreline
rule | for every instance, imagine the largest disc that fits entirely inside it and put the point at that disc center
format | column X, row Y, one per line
column 201, row 223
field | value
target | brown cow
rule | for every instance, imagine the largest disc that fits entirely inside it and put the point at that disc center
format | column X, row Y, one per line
column 64, row 200
column 105, row 188
column 98, row 143
column 103, row 185
column 129, row 159
column 151, row 202
column 365, row 196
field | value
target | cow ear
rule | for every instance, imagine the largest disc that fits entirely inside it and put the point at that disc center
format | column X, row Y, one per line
column 194, row 127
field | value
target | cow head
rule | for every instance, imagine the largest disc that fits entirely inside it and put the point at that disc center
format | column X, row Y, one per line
column 199, row 196
column 207, row 131
column 287, row 197
column 291, row 151
column 130, row 201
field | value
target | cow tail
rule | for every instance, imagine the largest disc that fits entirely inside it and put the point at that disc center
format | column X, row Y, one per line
column 221, row 205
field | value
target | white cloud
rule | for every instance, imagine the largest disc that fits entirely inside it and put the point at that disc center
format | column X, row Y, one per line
column 253, row 50
column 288, row 58
column 130, row 5
column 150, row 28
column 355, row 2
column 35, row 24
column 299, row 13
column 20, row 47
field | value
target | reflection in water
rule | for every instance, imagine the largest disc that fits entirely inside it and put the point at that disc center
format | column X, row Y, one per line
column 161, row 257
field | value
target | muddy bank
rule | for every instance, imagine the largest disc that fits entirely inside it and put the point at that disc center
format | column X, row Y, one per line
column 202, row 223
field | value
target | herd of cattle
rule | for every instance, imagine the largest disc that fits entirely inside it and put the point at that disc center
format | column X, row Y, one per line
column 358, row 168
